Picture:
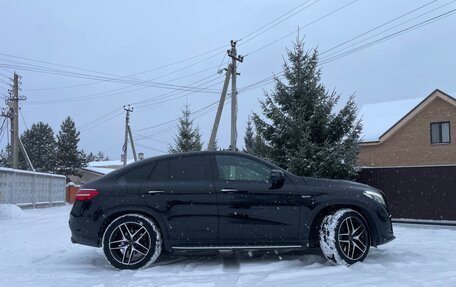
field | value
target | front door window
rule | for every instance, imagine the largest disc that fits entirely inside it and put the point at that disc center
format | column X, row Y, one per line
column 240, row 168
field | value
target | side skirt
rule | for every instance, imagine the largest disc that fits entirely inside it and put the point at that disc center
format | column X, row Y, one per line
column 236, row 247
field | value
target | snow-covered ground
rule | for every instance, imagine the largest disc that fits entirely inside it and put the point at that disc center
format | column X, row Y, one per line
column 35, row 250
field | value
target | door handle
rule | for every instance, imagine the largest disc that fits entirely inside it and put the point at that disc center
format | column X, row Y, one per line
column 155, row 191
column 229, row 190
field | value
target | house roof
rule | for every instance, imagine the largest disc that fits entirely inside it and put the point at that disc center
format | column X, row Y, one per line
column 108, row 163
column 380, row 120
column 99, row 170
column 377, row 118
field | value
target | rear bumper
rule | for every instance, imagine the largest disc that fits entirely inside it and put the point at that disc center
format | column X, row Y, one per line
column 82, row 235
column 84, row 225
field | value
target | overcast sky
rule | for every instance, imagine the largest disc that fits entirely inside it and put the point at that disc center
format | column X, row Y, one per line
column 121, row 40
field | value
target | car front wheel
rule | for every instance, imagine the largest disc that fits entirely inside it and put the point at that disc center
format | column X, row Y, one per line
column 345, row 237
column 132, row 241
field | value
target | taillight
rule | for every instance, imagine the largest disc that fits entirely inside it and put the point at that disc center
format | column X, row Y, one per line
column 85, row 194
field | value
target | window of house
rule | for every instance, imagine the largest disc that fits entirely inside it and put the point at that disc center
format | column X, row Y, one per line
column 440, row 132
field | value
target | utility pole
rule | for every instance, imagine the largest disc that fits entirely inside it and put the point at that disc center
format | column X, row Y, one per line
column 129, row 110
column 15, row 122
column 234, row 106
column 231, row 71
column 211, row 145
column 13, row 114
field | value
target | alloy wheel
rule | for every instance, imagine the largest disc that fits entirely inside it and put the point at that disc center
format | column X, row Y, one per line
column 353, row 238
column 129, row 243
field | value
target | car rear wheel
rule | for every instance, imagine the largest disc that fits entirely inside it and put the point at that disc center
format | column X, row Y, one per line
column 132, row 241
column 345, row 237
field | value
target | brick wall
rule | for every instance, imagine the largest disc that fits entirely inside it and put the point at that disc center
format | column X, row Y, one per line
column 411, row 144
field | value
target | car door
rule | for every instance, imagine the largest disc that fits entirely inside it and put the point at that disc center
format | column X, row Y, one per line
column 184, row 194
column 250, row 210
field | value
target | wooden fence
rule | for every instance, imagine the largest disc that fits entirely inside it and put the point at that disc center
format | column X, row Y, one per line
column 424, row 193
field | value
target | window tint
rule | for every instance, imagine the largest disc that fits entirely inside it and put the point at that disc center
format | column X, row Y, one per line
column 137, row 174
column 240, row 168
column 160, row 171
column 190, row 168
column 440, row 132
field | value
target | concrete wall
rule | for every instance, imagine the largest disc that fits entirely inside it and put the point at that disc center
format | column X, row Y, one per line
column 411, row 144
column 26, row 188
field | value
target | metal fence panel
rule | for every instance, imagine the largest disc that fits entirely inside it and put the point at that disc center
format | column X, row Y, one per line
column 30, row 188
column 427, row 192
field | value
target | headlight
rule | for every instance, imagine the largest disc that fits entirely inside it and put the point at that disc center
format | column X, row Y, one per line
column 375, row 196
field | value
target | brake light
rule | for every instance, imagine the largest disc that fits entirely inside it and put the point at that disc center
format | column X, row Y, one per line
column 85, row 194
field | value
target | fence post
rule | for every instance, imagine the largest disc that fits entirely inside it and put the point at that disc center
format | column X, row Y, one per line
column 13, row 186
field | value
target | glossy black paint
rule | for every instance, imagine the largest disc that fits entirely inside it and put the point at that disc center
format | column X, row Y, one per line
column 198, row 207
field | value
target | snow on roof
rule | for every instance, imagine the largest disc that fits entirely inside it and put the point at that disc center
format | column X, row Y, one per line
column 377, row 118
column 101, row 170
column 108, row 163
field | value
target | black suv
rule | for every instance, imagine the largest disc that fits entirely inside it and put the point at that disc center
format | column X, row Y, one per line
column 224, row 201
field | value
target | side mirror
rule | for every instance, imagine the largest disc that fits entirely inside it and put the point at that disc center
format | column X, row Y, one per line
column 276, row 178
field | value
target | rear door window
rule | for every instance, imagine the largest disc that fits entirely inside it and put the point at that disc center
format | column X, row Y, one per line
column 160, row 171
column 137, row 174
column 190, row 168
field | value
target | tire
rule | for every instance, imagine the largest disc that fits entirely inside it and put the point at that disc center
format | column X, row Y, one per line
column 132, row 241
column 345, row 237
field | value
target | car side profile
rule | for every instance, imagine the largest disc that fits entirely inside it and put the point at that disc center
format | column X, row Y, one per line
column 224, row 201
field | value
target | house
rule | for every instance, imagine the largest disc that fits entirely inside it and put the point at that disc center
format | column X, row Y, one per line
column 408, row 150
column 413, row 132
column 96, row 169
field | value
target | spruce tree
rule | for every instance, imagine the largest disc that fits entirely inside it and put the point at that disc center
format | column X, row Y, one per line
column 69, row 158
column 101, row 157
column 249, row 139
column 5, row 156
column 188, row 138
column 41, row 147
column 301, row 131
column 91, row 157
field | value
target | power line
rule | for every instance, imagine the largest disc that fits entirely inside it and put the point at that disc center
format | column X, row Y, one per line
column 2, row 129
column 105, row 118
column 305, row 26
column 98, row 119
column 383, row 31
column 36, row 68
column 167, row 97
column 23, row 119
column 392, row 35
column 151, row 148
column 95, row 124
column 112, row 78
column 5, row 76
column 378, row 27
column 252, row 35
column 274, row 23
column 270, row 79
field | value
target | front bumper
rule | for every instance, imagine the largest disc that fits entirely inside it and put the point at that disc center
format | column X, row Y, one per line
column 384, row 228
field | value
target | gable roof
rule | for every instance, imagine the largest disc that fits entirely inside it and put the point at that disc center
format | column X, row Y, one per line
column 381, row 120
column 98, row 170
